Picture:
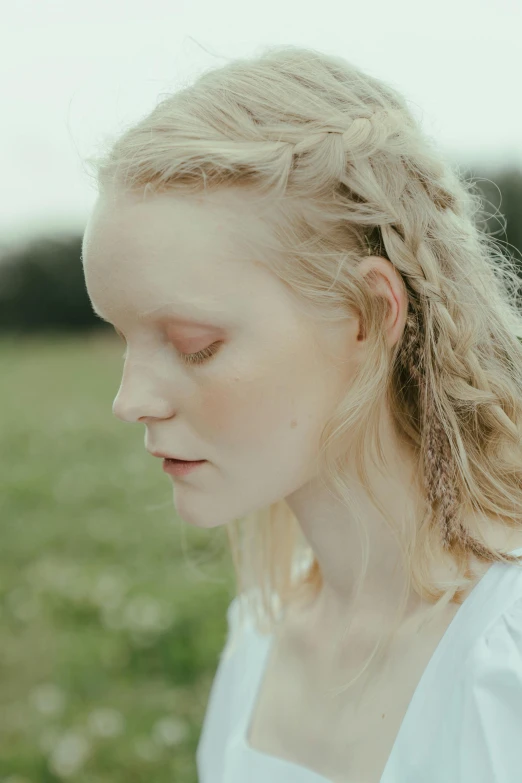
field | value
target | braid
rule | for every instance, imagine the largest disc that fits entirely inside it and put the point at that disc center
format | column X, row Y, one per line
column 364, row 136
column 439, row 479
column 437, row 453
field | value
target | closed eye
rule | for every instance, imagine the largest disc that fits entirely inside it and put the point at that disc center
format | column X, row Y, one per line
column 200, row 357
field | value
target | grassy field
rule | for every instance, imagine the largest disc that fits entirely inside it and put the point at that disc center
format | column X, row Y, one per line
column 112, row 609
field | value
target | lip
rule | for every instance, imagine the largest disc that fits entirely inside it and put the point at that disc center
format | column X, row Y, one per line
column 181, row 468
column 162, row 455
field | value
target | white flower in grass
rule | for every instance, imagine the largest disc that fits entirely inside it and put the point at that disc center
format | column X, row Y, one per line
column 55, row 575
column 146, row 615
column 105, row 722
column 112, row 618
column 109, row 590
column 69, row 754
column 169, row 731
column 48, row 699
column 22, row 603
column 147, row 750
column 142, row 640
column 15, row 779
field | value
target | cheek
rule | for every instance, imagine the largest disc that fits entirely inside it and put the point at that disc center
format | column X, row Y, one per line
column 259, row 407
column 245, row 404
column 246, row 408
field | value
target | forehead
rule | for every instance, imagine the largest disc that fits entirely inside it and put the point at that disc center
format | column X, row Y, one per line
column 170, row 251
column 229, row 225
column 124, row 224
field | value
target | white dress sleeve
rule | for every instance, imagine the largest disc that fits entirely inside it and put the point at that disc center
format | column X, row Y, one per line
column 219, row 713
column 490, row 741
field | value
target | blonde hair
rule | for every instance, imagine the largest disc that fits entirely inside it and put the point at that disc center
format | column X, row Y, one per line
column 347, row 172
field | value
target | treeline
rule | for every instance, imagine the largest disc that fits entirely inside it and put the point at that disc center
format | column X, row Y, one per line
column 42, row 286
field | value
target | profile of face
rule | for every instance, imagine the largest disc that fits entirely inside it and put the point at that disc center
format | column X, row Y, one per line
column 166, row 272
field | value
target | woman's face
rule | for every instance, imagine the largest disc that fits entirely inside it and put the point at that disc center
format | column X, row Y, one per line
column 165, row 271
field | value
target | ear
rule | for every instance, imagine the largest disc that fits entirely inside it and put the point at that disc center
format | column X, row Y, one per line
column 383, row 277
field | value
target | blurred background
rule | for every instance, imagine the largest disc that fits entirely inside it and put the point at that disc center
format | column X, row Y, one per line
column 112, row 610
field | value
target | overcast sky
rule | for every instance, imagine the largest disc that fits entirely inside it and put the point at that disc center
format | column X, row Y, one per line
column 72, row 74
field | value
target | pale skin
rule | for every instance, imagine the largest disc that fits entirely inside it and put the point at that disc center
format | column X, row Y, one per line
column 256, row 408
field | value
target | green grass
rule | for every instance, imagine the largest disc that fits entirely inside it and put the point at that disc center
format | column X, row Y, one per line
column 112, row 609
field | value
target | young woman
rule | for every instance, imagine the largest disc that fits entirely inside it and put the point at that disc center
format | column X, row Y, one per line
column 315, row 320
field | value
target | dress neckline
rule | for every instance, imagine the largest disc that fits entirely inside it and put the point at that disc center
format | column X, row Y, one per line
column 266, row 647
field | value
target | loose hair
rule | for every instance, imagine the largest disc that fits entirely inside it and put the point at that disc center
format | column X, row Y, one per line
column 346, row 171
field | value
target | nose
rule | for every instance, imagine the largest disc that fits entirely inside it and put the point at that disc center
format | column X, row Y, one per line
column 145, row 390
column 138, row 406
column 122, row 410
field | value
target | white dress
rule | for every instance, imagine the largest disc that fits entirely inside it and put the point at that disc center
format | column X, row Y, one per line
column 463, row 723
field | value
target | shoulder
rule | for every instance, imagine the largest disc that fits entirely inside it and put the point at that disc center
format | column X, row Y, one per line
column 239, row 627
column 496, row 657
column 232, row 613
column 490, row 698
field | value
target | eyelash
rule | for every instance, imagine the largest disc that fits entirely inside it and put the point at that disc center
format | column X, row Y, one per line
column 200, row 357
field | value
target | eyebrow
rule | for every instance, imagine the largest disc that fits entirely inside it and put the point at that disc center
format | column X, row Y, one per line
column 169, row 316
